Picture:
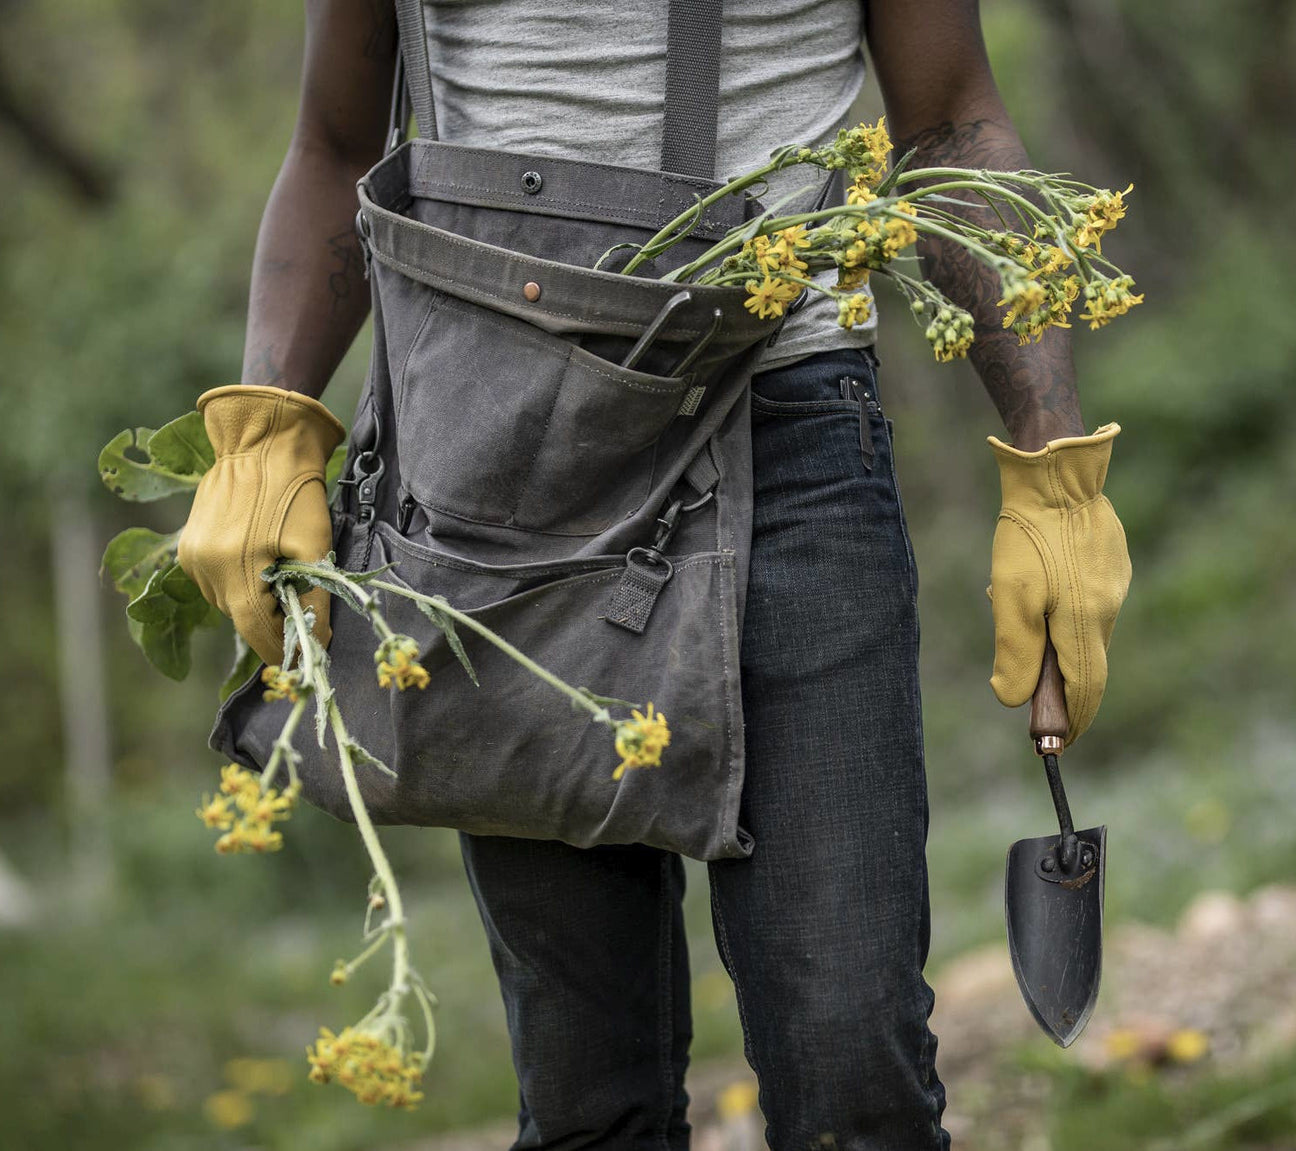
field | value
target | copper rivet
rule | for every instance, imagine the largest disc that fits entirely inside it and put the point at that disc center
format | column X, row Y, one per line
column 531, row 290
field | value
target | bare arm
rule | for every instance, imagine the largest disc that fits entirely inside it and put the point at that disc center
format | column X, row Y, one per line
column 941, row 98
column 308, row 297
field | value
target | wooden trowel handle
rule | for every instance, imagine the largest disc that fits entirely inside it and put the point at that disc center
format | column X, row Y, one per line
column 1048, row 716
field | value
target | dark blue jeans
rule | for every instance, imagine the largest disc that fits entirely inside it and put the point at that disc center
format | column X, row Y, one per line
column 825, row 929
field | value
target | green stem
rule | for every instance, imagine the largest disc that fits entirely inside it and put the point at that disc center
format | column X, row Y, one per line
column 784, row 159
column 319, row 682
column 368, row 951
column 499, row 641
column 282, row 750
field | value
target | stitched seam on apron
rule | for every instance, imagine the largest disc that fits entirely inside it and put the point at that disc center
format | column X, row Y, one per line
column 425, row 158
column 428, row 190
column 536, row 341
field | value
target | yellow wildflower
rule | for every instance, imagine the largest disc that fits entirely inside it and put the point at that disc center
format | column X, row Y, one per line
column 783, row 252
column 215, row 812
column 1107, row 299
column 1103, row 212
column 737, row 1100
column 1187, row 1045
column 374, row 1070
column 852, row 310
column 1123, row 1043
column 769, row 296
column 859, row 192
column 950, row 333
column 851, row 277
column 258, row 838
column 231, row 841
column 281, row 684
column 756, row 253
column 228, row 1109
column 397, row 660
column 1055, row 259
column 639, row 741
column 256, row 808
column 236, row 779
column 899, row 234
column 1022, row 296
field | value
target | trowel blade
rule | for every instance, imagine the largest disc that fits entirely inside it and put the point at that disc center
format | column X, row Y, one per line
column 1055, row 930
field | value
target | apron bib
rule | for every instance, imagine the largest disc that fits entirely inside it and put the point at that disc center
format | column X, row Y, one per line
column 596, row 515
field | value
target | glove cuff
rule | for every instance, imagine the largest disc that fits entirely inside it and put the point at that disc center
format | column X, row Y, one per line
column 1065, row 472
column 239, row 417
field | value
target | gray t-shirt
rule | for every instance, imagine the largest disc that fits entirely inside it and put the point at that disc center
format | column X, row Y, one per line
column 587, row 81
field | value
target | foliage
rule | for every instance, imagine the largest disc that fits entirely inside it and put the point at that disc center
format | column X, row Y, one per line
column 126, row 308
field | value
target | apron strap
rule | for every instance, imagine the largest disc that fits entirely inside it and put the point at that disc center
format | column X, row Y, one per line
column 417, row 75
column 692, row 87
column 692, row 83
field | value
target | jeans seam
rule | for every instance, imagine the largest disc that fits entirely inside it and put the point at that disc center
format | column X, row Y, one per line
column 722, row 940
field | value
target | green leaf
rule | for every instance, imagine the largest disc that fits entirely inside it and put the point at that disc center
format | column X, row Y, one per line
column 605, row 700
column 175, row 457
column 168, row 610
column 134, row 555
column 182, row 447
column 884, row 188
column 447, row 625
column 361, row 757
column 246, row 661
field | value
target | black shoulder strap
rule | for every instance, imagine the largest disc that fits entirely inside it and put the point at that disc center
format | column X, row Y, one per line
column 692, row 83
column 692, row 87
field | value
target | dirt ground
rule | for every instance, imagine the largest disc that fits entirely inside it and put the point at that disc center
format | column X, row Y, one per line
column 1219, row 989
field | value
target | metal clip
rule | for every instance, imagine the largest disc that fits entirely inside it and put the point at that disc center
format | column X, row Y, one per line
column 365, row 482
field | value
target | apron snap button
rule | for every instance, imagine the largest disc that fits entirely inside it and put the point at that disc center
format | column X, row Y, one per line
column 531, row 290
column 531, row 182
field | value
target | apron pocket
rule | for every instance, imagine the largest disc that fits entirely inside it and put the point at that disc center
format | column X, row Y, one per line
column 499, row 422
column 512, row 756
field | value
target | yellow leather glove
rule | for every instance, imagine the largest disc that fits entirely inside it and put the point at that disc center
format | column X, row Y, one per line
column 1059, row 555
column 262, row 499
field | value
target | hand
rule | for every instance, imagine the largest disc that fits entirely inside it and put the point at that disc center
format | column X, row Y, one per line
column 1059, row 555
column 264, row 498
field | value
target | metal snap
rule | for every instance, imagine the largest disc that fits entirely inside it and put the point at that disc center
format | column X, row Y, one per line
column 531, row 290
column 531, row 182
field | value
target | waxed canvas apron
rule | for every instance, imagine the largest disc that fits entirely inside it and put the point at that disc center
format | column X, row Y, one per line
column 597, row 516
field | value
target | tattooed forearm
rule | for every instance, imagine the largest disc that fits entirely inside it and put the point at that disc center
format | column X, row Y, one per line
column 1032, row 385
column 262, row 368
column 348, row 261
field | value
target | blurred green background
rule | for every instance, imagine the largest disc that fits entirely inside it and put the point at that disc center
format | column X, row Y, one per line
column 153, row 995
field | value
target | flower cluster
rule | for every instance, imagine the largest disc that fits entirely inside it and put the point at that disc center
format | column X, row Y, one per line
column 1101, row 212
column 368, row 1066
column 1107, row 299
column 949, row 332
column 246, row 811
column 639, row 741
column 866, row 238
column 397, row 660
column 281, row 684
column 862, row 151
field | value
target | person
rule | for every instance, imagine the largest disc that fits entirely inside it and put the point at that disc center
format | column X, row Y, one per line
column 825, row 929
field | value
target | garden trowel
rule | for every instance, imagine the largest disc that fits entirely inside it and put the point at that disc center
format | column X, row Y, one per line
column 1053, row 889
